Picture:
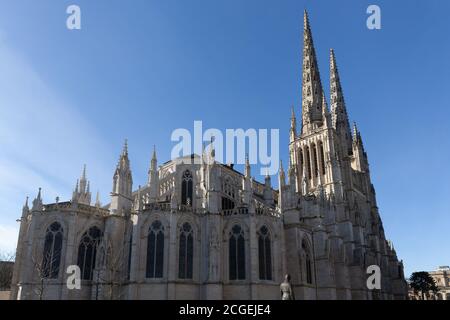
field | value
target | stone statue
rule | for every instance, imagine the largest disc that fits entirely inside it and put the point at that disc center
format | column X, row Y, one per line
column 286, row 290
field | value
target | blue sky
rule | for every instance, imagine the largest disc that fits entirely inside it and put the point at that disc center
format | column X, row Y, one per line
column 140, row 69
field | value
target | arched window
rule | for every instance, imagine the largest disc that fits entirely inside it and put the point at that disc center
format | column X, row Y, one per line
column 155, row 250
column 302, row 165
column 322, row 157
column 87, row 252
column 308, row 262
column 186, row 252
column 51, row 257
column 308, row 163
column 315, row 162
column 237, row 253
column 265, row 254
column 186, row 188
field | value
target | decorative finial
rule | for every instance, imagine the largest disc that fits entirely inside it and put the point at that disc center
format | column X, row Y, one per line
column 83, row 175
column 97, row 200
column 125, row 148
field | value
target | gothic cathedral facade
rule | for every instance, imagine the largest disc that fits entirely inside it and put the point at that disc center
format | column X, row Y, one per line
column 200, row 229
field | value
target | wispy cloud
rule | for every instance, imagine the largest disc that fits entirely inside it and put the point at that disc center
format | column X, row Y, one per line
column 44, row 140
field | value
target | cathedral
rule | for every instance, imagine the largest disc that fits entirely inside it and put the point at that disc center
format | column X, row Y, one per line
column 200, row 229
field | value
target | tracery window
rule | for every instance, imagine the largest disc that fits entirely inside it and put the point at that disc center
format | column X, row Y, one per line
column 87, row 252
column 51, row 258
column 186, row 188
column 265, row 254
column 237, row 253
column 155, row 250
column 186, row 252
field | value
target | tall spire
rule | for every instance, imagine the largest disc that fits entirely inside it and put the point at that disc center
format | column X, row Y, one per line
column 122, row 175
column 338, row 110
column 153, row 166
column 311, row 84
column 154, row 159
column 293, row 131
column 121, row 196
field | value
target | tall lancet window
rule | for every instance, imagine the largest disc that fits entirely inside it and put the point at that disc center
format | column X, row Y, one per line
column 87, row 252
column 308, row 163
column 322, row 157
column 314, row 158
column 265, row 254
column 186, row 252
column 186, row 188
column 302, row 166
column 308, row 262
column 237, row 253
column 155, row 250
column 51, row 258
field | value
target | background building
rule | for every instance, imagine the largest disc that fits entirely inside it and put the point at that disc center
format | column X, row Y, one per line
column 442, row 278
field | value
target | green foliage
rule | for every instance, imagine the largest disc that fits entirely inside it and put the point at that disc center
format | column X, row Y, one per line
column 423, row 282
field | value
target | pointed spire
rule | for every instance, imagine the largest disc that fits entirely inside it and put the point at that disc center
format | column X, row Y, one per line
column 281, row 176
column 311, row 83
column 125, row 148
column 25, row 206
column 247, row 171
column 37, row 202
column 97, row 200
column 293, row 131
column 83, row 175
column 338, row 110
column 122, row 181
column 124, row 162
column 153, row 161
column 82, row 192
column 154, row 153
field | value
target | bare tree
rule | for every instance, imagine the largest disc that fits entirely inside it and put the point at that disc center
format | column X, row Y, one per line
column 6, row 270
column 45, row 267
column 111, row 272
